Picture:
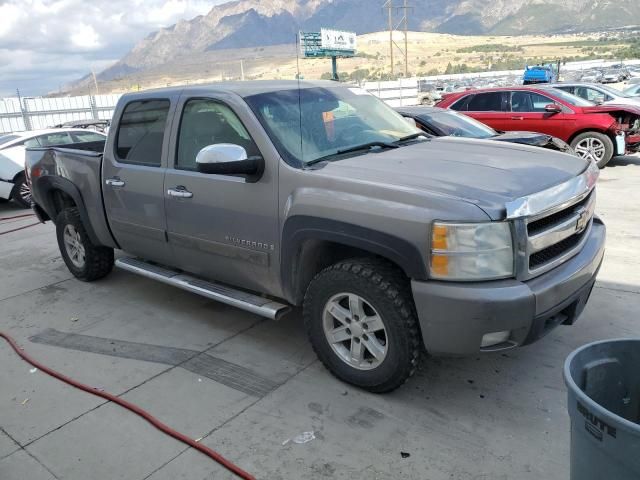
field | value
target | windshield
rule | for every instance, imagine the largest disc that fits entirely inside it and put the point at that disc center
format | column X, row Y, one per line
column 312, row 123
column 457, row 125
column 7, row 138
column 570, row 98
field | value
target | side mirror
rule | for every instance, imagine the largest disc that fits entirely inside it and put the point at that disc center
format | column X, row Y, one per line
column 228, row 159
column 553, row 108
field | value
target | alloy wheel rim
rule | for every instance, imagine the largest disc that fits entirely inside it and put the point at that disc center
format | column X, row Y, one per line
column 591, row 148
column 73, row 245
column 355, row 331
column 25, row 193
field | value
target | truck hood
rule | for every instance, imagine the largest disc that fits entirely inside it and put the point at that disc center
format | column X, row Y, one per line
column 485, row 173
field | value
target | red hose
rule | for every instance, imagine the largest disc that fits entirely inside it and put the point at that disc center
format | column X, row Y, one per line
column 134, row 408
column 21, row 228
column 18, row 216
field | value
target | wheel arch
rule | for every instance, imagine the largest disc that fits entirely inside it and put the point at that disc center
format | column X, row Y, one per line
column 56, row 194
column 594, row 129
column 17, row 176
column 310, row 244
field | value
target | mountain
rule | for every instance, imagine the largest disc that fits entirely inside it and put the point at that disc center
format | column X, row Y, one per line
column 259, row 23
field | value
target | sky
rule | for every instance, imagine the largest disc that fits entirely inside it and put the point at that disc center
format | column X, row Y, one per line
column 45, row 44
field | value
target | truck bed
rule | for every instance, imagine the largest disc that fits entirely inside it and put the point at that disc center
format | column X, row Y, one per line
column 75, row 170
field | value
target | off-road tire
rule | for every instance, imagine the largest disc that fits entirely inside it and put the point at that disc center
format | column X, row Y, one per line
column 98, row 259
column 387, row 290
column 601, row 137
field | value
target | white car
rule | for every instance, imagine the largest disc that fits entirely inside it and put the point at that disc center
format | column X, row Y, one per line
column 599, row 94
column 613, row 76
column 13, row 184
column 592, row 77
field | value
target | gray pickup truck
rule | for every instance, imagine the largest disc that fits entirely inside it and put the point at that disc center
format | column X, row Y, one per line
column 267, row 195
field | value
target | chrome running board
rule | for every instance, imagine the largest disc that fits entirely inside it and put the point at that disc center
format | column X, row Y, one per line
column 264, row 307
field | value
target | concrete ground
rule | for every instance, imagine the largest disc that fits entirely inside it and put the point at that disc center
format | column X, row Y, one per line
column 246, row 385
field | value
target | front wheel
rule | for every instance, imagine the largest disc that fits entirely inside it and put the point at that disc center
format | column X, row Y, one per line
column 86, row 261
column 362, row 324
column 594, row 146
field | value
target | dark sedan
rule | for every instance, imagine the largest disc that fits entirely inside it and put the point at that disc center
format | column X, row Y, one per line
column 441, row 122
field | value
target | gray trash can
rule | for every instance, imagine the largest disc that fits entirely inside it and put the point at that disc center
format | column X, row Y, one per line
column 603, row 380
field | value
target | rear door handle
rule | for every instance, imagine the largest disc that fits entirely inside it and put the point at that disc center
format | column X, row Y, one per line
column 517, row 118
column 115, row 182
column 179, row 192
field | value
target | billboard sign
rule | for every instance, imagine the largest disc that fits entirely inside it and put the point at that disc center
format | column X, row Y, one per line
column 327, row 43
column 338, row 40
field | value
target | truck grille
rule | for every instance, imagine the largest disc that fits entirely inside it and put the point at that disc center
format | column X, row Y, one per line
column 537, row 226
column 554, row 251
column 554, row 238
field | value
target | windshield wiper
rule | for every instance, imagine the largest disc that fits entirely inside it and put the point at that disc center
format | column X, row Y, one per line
column 357, row 148
column 413, row 136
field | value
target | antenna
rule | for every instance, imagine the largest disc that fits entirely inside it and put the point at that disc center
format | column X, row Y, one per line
column 298, row 43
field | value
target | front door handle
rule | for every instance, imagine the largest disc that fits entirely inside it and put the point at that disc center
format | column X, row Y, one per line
column 517, row 118
column 179, row 192
column 115, row 182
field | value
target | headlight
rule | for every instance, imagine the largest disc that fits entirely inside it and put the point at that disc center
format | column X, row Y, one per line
column 468, row 251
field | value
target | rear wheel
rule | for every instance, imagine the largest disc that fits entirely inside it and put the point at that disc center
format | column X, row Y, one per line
column 21, row 192
column 594, row 146
column 85, row 260
column 361, row 322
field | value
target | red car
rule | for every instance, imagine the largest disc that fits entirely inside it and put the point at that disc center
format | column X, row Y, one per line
column 597, row 132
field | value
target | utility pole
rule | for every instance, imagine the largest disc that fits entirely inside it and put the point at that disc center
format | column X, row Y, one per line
column 242, row 70
column 24, row 111
column 404, row 21
column 95, row 81
column 406, row 39
column 389, row 5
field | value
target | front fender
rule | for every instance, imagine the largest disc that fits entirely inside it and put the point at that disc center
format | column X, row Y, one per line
column 393, row 223
column 299, row 229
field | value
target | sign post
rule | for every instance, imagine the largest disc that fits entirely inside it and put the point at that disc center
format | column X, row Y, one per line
column 328, row 43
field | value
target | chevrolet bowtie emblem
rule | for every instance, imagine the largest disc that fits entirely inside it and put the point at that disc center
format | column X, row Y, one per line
column 583, row 220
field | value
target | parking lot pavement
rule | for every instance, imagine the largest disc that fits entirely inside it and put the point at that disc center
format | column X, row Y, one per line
column 246, row 385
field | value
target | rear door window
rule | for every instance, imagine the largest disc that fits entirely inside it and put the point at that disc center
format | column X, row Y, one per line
column 486, row 102
column 82, row 137
column 141, row 132
column 53, row 139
